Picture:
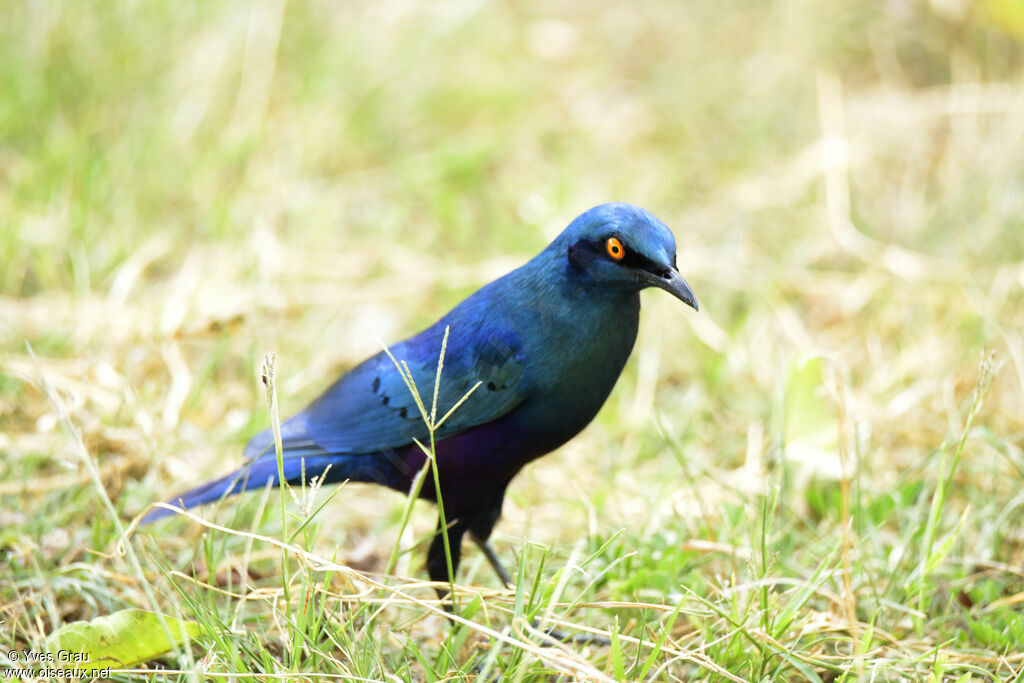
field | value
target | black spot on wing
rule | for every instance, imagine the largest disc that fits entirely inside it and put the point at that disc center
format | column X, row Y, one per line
column 347, row 418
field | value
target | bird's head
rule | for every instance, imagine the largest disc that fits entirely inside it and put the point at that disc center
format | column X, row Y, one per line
column 625, row 247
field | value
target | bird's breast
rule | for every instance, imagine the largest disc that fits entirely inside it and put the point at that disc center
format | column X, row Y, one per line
column 573, row 362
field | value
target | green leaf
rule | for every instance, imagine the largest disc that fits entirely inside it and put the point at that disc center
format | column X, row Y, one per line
column 120, row 640
column 939, row 554
column 618, row 667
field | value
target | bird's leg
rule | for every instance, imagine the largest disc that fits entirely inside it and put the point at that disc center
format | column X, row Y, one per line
column 480, row 529
column 492, row 556
column 560, row 636
column 437, row 558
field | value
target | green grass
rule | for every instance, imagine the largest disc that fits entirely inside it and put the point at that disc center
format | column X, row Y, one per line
column 817, row 477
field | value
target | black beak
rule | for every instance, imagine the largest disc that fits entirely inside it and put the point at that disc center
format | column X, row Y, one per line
column 673, row 283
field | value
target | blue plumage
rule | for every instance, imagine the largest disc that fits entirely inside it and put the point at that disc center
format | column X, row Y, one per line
column 545, row 343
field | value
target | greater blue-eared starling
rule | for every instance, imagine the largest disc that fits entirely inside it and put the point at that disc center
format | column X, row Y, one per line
column 543, row 347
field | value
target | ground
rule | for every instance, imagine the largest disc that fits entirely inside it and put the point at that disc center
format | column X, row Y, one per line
column 817, row 477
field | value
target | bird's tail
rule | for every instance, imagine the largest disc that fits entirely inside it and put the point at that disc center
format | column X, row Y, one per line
column 255, row 475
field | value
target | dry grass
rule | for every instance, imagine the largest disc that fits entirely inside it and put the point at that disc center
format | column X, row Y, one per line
column 185, row 189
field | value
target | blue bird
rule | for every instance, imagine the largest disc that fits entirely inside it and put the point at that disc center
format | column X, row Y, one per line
column 543, row 345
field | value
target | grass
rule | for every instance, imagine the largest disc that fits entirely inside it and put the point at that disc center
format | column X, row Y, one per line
column 817, row 477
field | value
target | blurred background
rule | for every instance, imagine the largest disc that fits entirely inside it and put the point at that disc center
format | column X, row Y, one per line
column 185, row 187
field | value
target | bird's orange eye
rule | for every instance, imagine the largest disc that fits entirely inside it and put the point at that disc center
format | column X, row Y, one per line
column 615, row 248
